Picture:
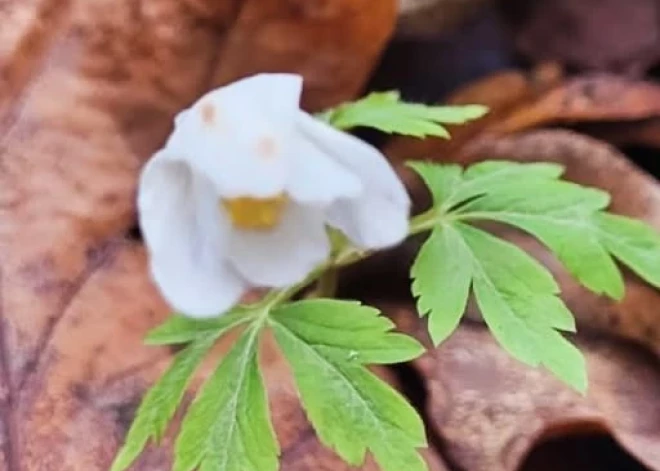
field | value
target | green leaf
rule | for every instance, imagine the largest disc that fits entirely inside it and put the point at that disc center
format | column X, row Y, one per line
column 441, row 180
column 160, row 403
column 369, row 340
column 517, row 296
column 351, row 409
column 450, row 186
column 632, row 242
column 559, row 214
column 227, row 427
column 386, row 112
column 180, row 329
column 512, row 291
column 441, row 281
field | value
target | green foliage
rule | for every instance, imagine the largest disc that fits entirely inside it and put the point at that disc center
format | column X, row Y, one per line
column 327, row 344
column 160, row 403
column 386, row 112
column 517, row 296
column 227, row 427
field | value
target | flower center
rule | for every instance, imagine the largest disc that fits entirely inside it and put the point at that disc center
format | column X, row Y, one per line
column 256, row 213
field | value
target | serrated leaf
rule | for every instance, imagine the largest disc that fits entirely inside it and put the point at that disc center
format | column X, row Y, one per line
column 180, row 329
column 559, row 214
column 450, row 186
column 442, row 274
column 632, row 242
column 369, row 340
column 441, row 180
column 351, row 409
column 227, row 427
column 386, row 112
column 161, row 401
column 507, row 284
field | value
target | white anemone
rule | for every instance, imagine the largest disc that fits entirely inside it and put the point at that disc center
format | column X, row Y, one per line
column 241, row 194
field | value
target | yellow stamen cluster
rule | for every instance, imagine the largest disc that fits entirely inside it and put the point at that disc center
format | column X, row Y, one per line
column 255, row 213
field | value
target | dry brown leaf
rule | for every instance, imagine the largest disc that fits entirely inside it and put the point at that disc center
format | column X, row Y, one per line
column 333, row 43
column 519, row 103
column 605, row 35
column 490, row 410
column 88, row 91
column 420, row 18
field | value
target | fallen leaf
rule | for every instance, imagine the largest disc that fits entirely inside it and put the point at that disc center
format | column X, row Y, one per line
column 589, row 98
column 420, row 18
column 490, row 410
column 333, row 43
column 518, row 103
column 605, row 35
column 88, row 92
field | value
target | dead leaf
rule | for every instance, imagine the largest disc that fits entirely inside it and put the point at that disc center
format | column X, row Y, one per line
column 333, row 43
column 590, row 98
column 519, row 103
column 606, row 35
column 490, row 410
column 420, row 18
column 88, row 92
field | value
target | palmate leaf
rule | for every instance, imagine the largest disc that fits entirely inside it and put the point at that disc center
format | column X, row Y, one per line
column 559, row 214
column 327, row 344
column 516, row 295
column 161, row 401
column 386, row 112
column 442, row 276
column 227, row 427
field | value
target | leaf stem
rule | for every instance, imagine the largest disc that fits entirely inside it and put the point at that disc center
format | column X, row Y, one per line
column 326, row 275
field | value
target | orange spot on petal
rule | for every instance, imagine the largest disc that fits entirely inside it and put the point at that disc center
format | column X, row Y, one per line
column 267, row 147
column 208, row 113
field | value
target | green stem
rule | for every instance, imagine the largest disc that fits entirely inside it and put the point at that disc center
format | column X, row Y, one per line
column 326, row 286
column 326, row 275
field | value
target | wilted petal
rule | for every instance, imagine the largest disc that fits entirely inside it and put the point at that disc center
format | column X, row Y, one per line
column 186, row 238
column 379, row 217
column 240, row 135
column 285, row 254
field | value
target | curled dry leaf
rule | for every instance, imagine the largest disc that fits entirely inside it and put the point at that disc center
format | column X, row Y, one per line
column 519, row 103
column 490, row 409
column 88, row 90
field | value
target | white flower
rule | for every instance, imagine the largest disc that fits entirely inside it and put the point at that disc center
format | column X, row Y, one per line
column 241, row 194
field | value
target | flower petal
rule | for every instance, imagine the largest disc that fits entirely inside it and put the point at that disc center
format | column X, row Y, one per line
column 379, row 217
column 240, row 135
column 284, row 255
column 186, row 238
column 317, row 179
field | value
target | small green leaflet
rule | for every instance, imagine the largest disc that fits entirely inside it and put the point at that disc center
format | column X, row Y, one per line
column 386, row 112
column 160, row 403
column 633, row 243
column 516, row 295
column 179, row 329
column 227, row 427
column 327, row 343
